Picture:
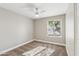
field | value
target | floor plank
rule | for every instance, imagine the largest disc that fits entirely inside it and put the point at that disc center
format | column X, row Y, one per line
column 59, row 50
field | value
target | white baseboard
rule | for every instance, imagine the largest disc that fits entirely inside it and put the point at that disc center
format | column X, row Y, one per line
column 15, row 47
column 50, row 42
column 68, row 51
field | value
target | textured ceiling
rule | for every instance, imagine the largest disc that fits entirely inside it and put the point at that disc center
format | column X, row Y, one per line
column 28, row 9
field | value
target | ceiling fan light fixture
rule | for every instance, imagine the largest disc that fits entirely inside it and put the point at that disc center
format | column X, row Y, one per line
column 37, row 15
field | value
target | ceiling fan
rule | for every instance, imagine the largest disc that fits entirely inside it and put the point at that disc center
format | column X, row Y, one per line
column 35, row 8
column 36, row 12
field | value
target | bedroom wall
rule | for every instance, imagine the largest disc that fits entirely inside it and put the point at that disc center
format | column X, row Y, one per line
column 14, row 29
column 77, row 29
column 40, row 30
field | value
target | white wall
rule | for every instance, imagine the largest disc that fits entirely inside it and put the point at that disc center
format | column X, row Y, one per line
column 40, row 29
column 77, row 31
column 70, row 30
column 14, row 29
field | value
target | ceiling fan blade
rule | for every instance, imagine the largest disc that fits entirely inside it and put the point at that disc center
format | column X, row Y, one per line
column 33, row 7
column 30, row 5
column 42, row 11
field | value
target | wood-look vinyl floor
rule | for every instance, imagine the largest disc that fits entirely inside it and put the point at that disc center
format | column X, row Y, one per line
column 59, row 50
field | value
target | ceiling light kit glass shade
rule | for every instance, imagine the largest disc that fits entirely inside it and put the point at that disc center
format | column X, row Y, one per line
column 37, row 15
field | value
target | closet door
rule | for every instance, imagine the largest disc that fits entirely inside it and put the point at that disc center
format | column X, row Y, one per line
column 70, row 30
